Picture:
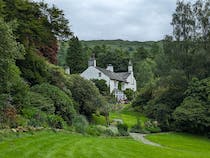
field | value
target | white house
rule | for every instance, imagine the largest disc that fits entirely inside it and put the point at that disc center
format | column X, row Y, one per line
column 113, row 79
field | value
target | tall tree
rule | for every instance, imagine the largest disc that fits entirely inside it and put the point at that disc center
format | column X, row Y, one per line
column 39, row 26
column 75, row 57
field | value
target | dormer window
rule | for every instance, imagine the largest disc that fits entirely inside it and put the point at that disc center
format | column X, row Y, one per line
column 99, row 74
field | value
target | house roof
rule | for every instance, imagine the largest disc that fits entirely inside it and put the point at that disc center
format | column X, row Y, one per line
column 115, row 76
column 123, row 75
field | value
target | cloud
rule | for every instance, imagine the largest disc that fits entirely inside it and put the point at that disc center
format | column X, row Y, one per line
column 140, row 20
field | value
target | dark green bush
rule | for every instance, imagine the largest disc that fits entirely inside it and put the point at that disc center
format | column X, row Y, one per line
column 36, row 117
column 102, row 86
column 56, row 121
column 136, row 129
column 38, row 101
column 34, row 68
column 123, row 129
column 130, row 94
column 99, row 120
column 62, row 102
column 86, row 95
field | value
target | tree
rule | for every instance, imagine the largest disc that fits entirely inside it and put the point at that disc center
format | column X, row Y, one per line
column 130, row 94
column 86, row 95
column 39, row 26
column 102, row 86
column 75, row 57
column 193, row 113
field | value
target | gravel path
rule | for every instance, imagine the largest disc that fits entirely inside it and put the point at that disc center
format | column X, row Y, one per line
column 141, row 137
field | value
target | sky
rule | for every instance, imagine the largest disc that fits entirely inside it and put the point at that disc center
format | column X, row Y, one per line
column 133, row 20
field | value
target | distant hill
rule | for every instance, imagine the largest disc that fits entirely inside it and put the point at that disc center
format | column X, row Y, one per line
column 125, row 45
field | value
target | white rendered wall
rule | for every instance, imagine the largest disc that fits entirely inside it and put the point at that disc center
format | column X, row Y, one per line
column 93, row 73
column 131, row 83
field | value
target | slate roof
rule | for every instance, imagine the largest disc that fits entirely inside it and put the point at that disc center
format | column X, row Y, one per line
column 115, row 76
column 123, row 75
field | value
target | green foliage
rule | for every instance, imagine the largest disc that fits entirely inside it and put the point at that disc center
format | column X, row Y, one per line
column 102, row 86
column 123, row 129
column 93, row 131
column 86, row 95
column 42, row 103
column 118, row 58
column 137, row 128
column 99, row 120
column 34, row 68
column 80, row 123
column 193, row 114
column 142, row 98
column 11, row 84
column 36, row 117
column 75, row 58
column 62, row 103
column 56, row 121
column 39, row 26
column 130, row 94
column 152, row 127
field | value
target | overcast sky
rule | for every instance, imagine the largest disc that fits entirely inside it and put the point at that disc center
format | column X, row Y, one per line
column 139, row 20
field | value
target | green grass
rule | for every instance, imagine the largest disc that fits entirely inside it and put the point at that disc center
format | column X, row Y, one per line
column 128, row 116
column 48, row 144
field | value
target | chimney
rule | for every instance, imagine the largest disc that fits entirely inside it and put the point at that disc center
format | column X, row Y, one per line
column 110, row 68
column 92, row 61
column 130, row 67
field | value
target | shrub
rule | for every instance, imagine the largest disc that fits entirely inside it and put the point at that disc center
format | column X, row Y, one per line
column 136, row 129
column 114, row 130
column 36, row 117
column 123, row 129
column 93, row 130
column 62, row 102
column 38, row 101
column 34, row 68
column 102, row 86
column 56, row 121
column 129, row 94
column 152, row 127
column 80, row 123
column 109, row 132
column 99, row 120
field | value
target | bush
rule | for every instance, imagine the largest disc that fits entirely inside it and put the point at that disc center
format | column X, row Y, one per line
column 62, row 102
column 8, row 116
column 102, row 86
column 129, row 94
column 99, row 120
column 109, row 132
column 136, row 129
column 38, row 101
column 123, row 129
column 80, row 123
column 36, row 117
column 93, row 130
column 152, row 127
column 34, row 68
column 86, row 94
column 56, row 121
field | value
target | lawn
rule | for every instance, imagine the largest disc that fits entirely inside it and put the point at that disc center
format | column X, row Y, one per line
column 128, row 116
column 48, row 144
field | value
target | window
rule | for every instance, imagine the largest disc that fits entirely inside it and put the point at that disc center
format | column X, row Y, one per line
column 99, row 74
